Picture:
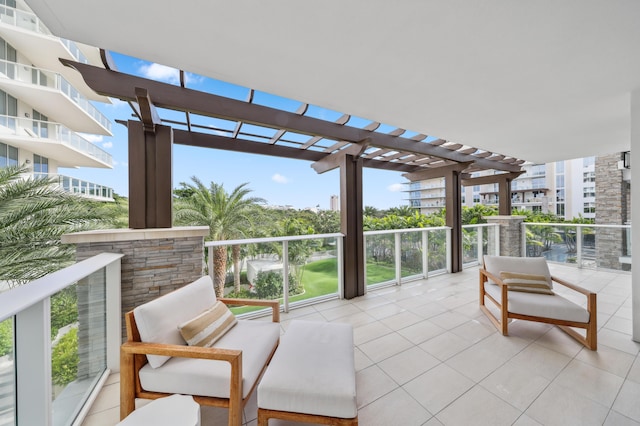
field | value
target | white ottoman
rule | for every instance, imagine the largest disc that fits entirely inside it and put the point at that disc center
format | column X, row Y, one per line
column 312, row 377
column 174, row 410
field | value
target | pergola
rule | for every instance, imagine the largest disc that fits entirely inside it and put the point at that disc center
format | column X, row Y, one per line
column 328, row 145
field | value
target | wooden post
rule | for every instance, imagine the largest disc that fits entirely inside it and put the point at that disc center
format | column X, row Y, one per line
column 351, row 225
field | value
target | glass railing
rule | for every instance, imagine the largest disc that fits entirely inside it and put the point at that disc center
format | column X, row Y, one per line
column 582, row 245
column 80, row 187
column 298, row 269
column 75, row 51
column 39, row 77
column 54, row 131
column 22, row 19
column 307, row 269
column 59, row 337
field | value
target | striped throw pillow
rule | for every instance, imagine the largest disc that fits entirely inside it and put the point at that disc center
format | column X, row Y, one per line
column 528, row 283
column 209, row 326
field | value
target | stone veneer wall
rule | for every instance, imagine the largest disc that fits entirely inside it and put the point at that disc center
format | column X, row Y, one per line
column 510, row 234
column 613, row 207
column 156, row 262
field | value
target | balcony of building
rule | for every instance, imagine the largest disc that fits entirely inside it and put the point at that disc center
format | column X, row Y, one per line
column 52, row 94
column 54, row 141
column 81, row 187
column 28, row 35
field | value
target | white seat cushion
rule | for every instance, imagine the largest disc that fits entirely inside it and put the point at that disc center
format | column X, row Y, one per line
column 256, row 340
column 175, row 410
column 312, row 372
column 540, row 305
column 158, row 320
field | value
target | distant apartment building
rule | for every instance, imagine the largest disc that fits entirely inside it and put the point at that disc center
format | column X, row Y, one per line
column 564, row 188
column 44, row 105
column 334, row 203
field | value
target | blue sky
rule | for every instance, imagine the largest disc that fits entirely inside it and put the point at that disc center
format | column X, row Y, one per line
column 280, row 181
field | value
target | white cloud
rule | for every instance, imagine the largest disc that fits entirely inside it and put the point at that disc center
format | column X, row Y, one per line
column 161, row 73
column 396, row 187
column 91, row 138
column 279, row 178
column 107, row 145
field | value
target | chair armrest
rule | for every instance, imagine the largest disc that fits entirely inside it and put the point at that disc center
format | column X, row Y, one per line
column 273, row 304
column 492, row 277
column 180, row 351
column 572, row 286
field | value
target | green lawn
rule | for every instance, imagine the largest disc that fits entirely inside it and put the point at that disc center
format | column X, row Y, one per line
column 321, row 277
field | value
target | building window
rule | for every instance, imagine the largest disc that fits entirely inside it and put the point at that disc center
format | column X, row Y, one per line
column 589, row 207
column 40, row 165
column 589, row 192
column 560, row 195
column 560, row 181
column 8, row 110
column 476, row 198
column 538, row 183
column 8, row 155
column 589, row 177
column 40, row 127
column 560, row 167
column 560, row 209
column 536, row 209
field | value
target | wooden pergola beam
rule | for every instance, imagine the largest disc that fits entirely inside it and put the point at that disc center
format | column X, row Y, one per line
column 336, row 159
column 122, row 86
column 435, row 172
column 483, row 180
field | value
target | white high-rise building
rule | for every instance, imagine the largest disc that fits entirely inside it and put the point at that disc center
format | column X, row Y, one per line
column 45, row 105
column 564, row 188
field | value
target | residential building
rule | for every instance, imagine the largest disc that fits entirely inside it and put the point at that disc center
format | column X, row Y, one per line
column 565, row 188
column 45, row 105
column 334, row 203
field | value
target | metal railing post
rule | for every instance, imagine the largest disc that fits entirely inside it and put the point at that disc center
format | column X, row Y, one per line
column 398, row 257
column 524, row 239
column 480, row 240
column 448, row 240
column 579, row 246
column 425, row 254
column 285, row 275
column 340, row 267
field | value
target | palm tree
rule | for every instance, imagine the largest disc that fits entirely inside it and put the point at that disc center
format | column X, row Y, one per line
column 228, row 215
column 34, row 214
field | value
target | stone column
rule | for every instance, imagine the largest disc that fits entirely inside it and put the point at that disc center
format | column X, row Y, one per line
column 611, row 209
column 510, row 234
column 156, row 262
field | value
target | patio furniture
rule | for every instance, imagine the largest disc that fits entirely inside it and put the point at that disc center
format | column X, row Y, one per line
column 156, row 362
column 522, row 288
column 312, row 376
column 175, row 410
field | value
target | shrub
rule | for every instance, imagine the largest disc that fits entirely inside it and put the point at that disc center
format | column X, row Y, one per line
column 6, row 337
column 268, row 284
column 64, row 359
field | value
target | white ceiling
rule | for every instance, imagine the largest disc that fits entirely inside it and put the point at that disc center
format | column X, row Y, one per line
column 539, row 80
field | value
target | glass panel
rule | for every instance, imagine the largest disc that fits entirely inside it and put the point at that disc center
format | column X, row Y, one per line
column 380, row 256
column 411, row 253
column 78, row 345
column 7, row 374
column 470, row 244
column 437, row 250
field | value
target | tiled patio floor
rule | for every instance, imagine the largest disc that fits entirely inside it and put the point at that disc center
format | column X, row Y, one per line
column 426, row 355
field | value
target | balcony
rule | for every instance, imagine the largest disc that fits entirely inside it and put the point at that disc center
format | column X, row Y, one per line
column 54, row 141
column 52, row 95
column 424, row 352
column 29, row 36
column 84, row 188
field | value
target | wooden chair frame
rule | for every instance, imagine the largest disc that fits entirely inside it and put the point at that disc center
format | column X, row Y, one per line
column 590, row 340
column 133, row 356
column 264, row 415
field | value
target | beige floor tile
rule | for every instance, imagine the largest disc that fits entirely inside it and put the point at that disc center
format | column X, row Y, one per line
column 371, row 384
column 481, row 359
column 479, row 407
column 558, row 405
column 369, row 332
column 429, row 310
column 449, row 320
column 361, row 360
column 617, row 340
column 438, row 387
column 515, row 384
column 559, row 341
column 433, row 422
column 108, row 398
column 340, row 312
column 473, row 330
column 103, row 418
column 356, row 320
column 608, row 359
column 543, row 361
column 445, row 345
column 617, row 419
column 525, row 420
column 634, row 372
column 627, row 402
column 528, row 330
column 623, row 325
column 421, row 331
column 408, row 365
column 384, row 311
column 385, row 347
column 590, row 382
column 395, row 408
column 401, row 320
